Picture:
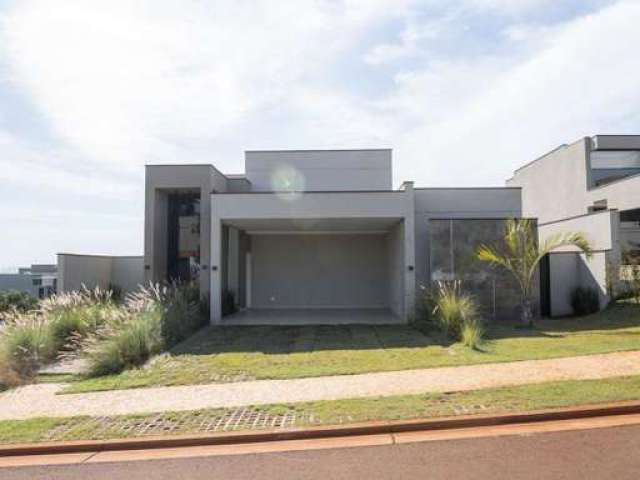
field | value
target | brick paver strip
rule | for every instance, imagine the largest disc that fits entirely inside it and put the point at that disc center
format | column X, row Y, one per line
column 41, row 400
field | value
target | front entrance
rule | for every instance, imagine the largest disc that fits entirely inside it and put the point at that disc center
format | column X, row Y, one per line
column 183, row 237
column 545, row 286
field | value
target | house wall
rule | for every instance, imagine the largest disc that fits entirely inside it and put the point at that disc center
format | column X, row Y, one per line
column 19, row 282
column 570, row 269
column 92, row 271
column 555, row 185
column 319, row 170
column 622, row 194
column 319, row 271
column 457, row 203
column 396, row 266
column 160, row 180
column 233, row 263
column 74, row 271
column 127, row 272
column 310, row 205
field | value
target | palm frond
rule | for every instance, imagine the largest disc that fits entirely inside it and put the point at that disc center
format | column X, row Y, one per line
column 562, row 239
column 491, row 255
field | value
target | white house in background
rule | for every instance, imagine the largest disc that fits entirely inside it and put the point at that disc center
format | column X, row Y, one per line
column 38, row 280
column 593, row 186
column 320, row 235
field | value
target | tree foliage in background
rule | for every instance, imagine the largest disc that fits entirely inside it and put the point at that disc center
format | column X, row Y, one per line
column 15, row 300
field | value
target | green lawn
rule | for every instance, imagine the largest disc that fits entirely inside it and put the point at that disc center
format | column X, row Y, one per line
column 227, row 354
column 497, row 400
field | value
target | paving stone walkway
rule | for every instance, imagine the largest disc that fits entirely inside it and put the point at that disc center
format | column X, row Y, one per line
column 42, row 400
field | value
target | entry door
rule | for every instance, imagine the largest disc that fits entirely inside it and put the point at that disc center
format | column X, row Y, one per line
column 545, row 286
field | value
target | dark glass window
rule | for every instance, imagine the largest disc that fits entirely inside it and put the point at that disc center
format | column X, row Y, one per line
column 610, row 165
column 453, row 246
column 183, row 263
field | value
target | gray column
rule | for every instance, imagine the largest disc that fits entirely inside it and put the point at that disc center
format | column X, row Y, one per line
column 215, row 297
column 409, row 251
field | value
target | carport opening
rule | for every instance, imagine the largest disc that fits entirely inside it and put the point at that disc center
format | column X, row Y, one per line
column 314, row 271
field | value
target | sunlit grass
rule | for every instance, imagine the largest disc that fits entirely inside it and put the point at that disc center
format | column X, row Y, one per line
column 218, row 354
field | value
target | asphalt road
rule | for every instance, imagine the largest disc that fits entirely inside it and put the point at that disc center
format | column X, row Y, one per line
column 608, row 453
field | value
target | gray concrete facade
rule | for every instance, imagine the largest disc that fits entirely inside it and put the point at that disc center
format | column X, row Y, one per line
column 90, row 271
column 38, row 280
column 585, row 186
column 318, row 229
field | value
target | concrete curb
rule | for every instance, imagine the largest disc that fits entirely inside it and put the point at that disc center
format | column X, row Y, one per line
column 358, row 429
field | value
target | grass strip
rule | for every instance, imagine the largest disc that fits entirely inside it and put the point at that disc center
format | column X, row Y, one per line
column 336, row 412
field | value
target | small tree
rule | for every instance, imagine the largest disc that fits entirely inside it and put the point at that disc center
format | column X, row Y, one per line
column 521, row 255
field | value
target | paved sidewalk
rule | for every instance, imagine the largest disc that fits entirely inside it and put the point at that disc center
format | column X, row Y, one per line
column 41, row 400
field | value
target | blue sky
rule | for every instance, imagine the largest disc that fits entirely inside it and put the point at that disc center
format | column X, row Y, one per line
column 464, row 91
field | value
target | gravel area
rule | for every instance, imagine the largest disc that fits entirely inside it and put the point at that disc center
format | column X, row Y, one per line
column 41, row 400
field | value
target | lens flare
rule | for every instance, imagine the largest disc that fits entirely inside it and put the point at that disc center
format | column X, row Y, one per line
column 288, row 182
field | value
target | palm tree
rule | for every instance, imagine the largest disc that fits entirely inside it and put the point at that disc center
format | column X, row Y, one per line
column 522, row 254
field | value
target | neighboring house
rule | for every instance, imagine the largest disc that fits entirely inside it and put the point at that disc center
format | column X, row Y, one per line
column 321, row 234
column 76, row 271
column 593, row 186
column 38, row 280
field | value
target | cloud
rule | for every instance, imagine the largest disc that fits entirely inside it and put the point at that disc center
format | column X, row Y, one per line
column 510, row 7
column 121, row 83
column 25, row 166
column 135, row 82
column 495, row 116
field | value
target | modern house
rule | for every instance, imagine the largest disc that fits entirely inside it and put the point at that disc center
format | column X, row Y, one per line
column 38, row 280
column 321, row 236
column 592, row 186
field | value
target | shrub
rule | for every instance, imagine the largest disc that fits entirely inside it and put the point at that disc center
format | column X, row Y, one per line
column 635, row 282
column 472, row 334
column 124, row 342
column 456, row 314
column 585, row 300
column 423, row 318
column 179, row 305
column 117, row 294
column 152, row 319
column 453, row 308
column 73, row 315
column 69, row 325
column 228, row 303
column 12, row 300
column 25, row 344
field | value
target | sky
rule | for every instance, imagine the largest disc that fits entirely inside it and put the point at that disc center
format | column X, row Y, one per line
column 464, row 91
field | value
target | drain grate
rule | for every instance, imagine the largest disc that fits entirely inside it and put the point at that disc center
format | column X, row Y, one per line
column 187, row 422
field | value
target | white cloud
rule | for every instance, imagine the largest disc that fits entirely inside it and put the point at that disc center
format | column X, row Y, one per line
column 125, row 83
column 24, row 166
column 136, row 82
column 510, row 6
column 584, row 82
column 415, row 38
